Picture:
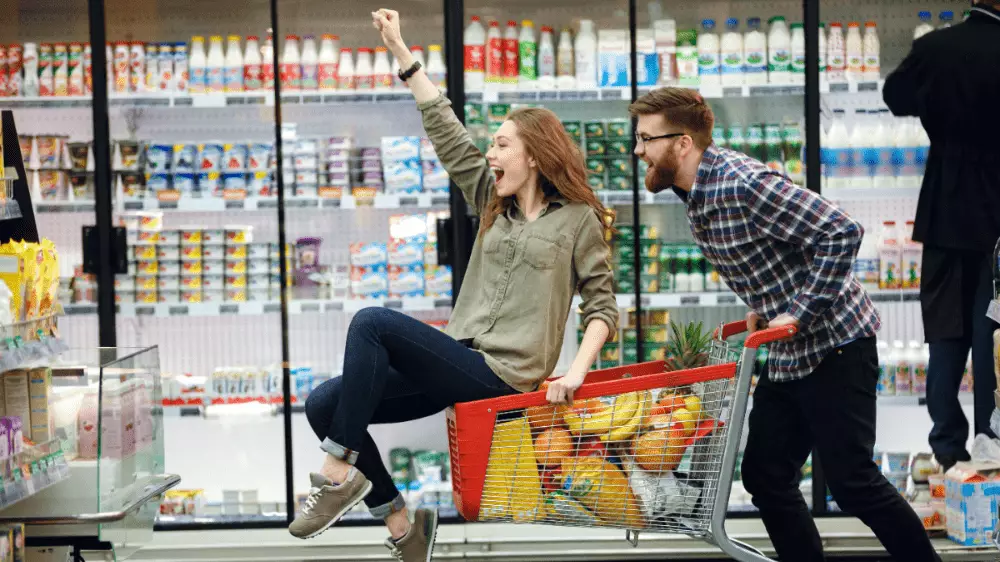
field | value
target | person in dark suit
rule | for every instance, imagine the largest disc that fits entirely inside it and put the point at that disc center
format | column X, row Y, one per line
column 951, row 81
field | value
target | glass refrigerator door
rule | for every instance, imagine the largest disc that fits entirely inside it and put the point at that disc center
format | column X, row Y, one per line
column 193, row 135
column 747, row 62
column 44, row 75
column 873, row 167
column 364, row 191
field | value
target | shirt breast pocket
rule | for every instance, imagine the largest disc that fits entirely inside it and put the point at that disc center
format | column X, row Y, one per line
column 541, row 253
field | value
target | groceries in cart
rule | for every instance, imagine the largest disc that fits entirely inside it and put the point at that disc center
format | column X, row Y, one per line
column 620, row 460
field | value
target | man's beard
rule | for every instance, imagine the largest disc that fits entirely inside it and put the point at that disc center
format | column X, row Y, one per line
column 663, row 174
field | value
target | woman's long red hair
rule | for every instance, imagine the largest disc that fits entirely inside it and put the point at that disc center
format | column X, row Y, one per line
column 561, row 167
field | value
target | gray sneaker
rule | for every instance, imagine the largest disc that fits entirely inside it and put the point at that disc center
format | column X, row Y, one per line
column 418, row 544
column 328, row 502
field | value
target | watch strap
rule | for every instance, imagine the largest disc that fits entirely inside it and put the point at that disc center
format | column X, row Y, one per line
column 405, row 75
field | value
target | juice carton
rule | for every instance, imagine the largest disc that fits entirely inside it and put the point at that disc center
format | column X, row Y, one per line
column 972, row 491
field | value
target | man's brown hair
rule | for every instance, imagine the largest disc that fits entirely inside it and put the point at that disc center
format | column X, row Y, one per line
column 682, row 108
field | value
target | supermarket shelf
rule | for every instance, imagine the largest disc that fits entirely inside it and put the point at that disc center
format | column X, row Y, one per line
column 498, row 95
column 725, row 298
column 181, row 100
column 218, row 204
column 166, row 310
column 28, row 341
column 852, row 193
column 32, row 470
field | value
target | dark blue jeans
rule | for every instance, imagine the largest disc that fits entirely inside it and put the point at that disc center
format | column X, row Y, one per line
column 396, row 369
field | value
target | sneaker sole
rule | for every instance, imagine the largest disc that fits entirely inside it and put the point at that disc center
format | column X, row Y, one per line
column 343, row 511
column 433, row 539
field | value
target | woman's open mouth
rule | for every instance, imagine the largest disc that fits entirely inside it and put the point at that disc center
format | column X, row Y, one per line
column 497, row 173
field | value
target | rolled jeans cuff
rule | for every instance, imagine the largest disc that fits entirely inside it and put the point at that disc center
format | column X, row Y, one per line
column 339, row 451
column 386, row 509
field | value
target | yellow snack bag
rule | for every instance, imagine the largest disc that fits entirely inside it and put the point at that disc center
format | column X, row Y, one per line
column 513, row 489
column 33, row 260
column 12, row 274
column 50, row 277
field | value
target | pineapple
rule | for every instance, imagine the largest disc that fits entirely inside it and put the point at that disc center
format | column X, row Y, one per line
column 687, row 347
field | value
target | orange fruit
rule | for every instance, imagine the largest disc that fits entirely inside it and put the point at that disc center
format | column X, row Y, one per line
column 544, row 417
column 553, row 446
column 660, row 450
column 668, row 404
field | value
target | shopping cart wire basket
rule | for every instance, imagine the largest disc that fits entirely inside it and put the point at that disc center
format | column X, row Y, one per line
column 639, row 449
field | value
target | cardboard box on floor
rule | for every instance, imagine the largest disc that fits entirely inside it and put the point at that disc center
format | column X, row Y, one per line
column 972, row 492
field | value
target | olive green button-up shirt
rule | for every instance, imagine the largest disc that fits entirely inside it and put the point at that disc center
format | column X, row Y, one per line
column 522, row 274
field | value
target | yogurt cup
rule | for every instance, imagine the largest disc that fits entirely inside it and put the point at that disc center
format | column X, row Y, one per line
column 259, row 250
column 171, row 267
column 190, row 251
column 191, row 295
column 191, row 266
column 236, row 266
column 236, row 294
column 213, row 252
column 144, row 251
column 168, row 283
column 190, row 235
column 145, row 282
column 213, row 282
column 170, row 237
column 146, row 296
column 897, row 462
column 937, row 485
column 211, row 295
column 213, row 267
column 189, row 282
column 170, row 253
column 238, row 234
column 213, row 236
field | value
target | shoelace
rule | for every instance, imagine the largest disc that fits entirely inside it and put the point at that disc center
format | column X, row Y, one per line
column 393, row 549
column 314, row 495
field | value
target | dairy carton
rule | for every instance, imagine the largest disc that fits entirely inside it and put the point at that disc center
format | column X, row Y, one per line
column 39, row 386
column 435, row 178
column 400, row 148
column 402, row 176
column 15, row 389
column 613, row 58
column 438, row 281
column 368, row 254
column 370, row 282
column 405, row 253
column 971, row 498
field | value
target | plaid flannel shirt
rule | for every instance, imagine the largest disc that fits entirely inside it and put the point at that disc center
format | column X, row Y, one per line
column 782, row 249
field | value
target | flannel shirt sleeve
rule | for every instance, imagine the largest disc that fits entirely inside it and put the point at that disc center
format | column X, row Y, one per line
column 788, row 213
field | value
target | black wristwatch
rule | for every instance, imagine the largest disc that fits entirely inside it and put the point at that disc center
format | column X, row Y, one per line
column 405, row 75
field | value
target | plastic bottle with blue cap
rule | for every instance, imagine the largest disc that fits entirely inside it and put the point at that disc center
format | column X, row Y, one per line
column 708, row 55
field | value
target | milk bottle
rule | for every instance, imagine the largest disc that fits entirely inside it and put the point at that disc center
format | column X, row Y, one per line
column 840, row 159
column 383, row 70
column 291, row 65
column 918, row 365
column 860, row 139
column 855, row 53
column 922, row 144
column 732, row 54
column 233, row 72
column 198, row 64
column 310, row 64
column 527, row 56
column 836, row 55
column 890, row 257
column 823, row 78
column 905, row 155
column 871, row 53
column 755, row 53
column 267, row 63
column 778, row 52
column 565, row 73
column 252, row 78
column 924, row 27
column 511, row 66
column 886, row 372
column 474, row 40
column 546, row 60
column 912, row 258
column 904, row 369
column 708, row 55
column 494, row 54
column 345, row 72
column 885, row 171
column 327, row 63
column 214, row 73
column 182, row 72
column 364, row 71
column 30, row 70
column 585, row 56
column 798, row 64
column 435, row 66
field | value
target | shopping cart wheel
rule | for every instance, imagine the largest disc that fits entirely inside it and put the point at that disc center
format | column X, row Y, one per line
column 632, row 536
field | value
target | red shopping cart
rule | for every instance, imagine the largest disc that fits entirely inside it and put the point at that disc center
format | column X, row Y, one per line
column 639, row 449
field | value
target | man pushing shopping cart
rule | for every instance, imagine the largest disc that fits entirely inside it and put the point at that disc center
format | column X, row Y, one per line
column 788, row 253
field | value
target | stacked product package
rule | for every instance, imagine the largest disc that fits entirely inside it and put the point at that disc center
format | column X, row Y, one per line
column 30, row 278
column 405, row 267
column 410, row 165
column 607, row 146
column 58, row 168
column 666, row 268
column 194, row 264
column 212, row 169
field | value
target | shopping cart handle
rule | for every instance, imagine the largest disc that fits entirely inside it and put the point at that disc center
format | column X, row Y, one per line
column 758, row 338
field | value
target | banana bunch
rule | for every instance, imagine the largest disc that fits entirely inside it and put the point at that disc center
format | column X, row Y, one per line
column 619, row 420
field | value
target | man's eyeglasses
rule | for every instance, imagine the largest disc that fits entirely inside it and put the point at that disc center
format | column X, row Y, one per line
column 641, row 140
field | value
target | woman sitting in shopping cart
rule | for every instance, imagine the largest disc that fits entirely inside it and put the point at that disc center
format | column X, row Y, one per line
column 540, row 240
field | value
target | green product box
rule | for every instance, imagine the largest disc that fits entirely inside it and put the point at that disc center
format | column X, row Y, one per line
column 650, row 335
column 653, row 353
column 620, row 183
column 618, row 147
column 650, row 266
column 594, row 130
column 474, row 114
column 619, row 129
column 574, row 129
column 596, row 165
column 498, row 111
column 595, row 148
column 630, row 355
column 610, row 352
column 649, row 247
column 624, row 285
column 627, row 231
column 626, row 252
column 597, row 182
column 621, row 167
